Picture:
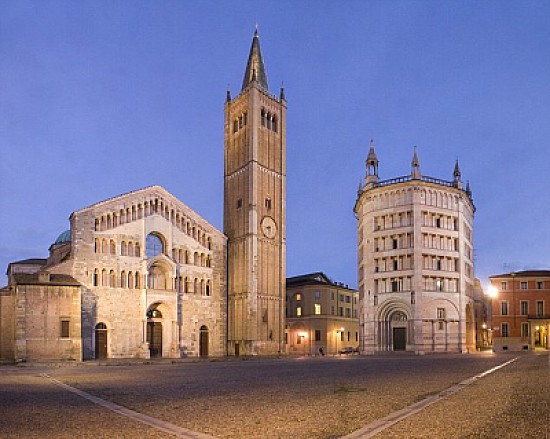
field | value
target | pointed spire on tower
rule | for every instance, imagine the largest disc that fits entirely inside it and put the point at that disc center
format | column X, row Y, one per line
column 228, row 96
column 372, row 166
column 468, row 190
column 415, row 167
column 457, row 182
column 255, row 70
column 282, row 95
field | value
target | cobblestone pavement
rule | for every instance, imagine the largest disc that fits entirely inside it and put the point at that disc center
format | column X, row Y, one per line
column 284, row 398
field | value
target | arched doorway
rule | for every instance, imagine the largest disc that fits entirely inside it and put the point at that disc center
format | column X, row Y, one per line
column 203, row 342
column 100, row 341
column 399, row 330
column 154, row 332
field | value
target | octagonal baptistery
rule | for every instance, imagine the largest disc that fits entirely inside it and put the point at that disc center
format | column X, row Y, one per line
column 153, row 277
column 415, row 262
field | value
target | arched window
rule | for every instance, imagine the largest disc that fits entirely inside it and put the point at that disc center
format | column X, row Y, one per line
column 186, row 285
column 208, row 261
column 112, row 247
column 130, row 280
column 195, row 286
column 137, row 280
column 187, row 257
column 156, row 279
column 209, row 243
column 130, row 249
column 95, row 278
column 274, row 124
column 112, row 279
column 208, row 288
column 137, row 250
column 202, row 287
column 122, row 216
column 123, row 279
column 104, row 279
column 123, row 248
column 108, row 221
column 104, row 248
column 96, row 245
column 153, row 245
column 96, row 228
column 196, row 258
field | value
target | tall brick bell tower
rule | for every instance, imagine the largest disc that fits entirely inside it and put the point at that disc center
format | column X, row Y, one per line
column 254, row 213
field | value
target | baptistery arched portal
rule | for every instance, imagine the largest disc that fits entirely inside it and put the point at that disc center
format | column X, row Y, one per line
column 203, row 342
column 394, row 330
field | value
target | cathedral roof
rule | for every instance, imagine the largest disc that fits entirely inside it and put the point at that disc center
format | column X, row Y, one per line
column 255, row 70
column 63, row 237
column 318, row 278
column 52, row 279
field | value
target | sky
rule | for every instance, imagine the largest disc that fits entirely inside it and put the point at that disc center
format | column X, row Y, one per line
column 99, row 98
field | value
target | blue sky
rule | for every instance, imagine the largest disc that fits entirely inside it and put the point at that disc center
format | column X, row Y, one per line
column 100, row 98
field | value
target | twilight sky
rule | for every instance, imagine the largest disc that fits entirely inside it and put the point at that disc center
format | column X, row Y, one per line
column 99, row 98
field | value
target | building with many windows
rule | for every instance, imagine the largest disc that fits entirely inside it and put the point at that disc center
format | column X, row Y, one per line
column 415, row 262
column 320, row 314
column 521, row 310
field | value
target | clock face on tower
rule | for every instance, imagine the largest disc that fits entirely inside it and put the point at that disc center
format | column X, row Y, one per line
column 269, row 227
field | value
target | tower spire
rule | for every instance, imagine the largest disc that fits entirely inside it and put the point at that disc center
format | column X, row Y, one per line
column 255, row 70
column 372, row 166
column 457, row 182
column 415, row 166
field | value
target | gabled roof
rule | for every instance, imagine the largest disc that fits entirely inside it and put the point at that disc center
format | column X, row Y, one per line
column 318, row 278
column 527, row 273
column 54, row 279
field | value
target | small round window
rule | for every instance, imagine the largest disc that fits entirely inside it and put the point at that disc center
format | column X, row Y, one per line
column 153, row 245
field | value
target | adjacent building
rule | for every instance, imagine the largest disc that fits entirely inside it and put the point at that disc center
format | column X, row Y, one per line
column 321, row 315
column 521, row 310
column 415, row 262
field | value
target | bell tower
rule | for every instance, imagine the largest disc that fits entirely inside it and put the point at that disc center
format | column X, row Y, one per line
column 255, row 212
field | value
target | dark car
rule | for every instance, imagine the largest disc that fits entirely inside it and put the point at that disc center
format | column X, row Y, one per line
column 347, row 350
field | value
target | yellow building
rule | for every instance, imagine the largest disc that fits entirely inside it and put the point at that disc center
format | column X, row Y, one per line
column 320, row 315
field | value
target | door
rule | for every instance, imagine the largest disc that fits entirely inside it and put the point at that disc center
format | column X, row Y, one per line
column 100, row 342
column 154, row 338
column 399, row 339
column 203, row 348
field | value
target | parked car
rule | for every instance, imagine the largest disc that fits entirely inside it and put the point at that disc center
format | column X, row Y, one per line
column 347, row 350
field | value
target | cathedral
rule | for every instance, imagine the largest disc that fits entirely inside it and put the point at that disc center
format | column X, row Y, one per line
column 142, row 275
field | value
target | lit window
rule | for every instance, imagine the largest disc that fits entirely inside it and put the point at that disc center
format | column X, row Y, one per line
column 298, row 297
column 298, row 311
column 317, row 308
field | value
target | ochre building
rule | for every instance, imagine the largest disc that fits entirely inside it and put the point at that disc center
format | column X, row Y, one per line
column 415, row 262
column 521, row 310
column 321, row 316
